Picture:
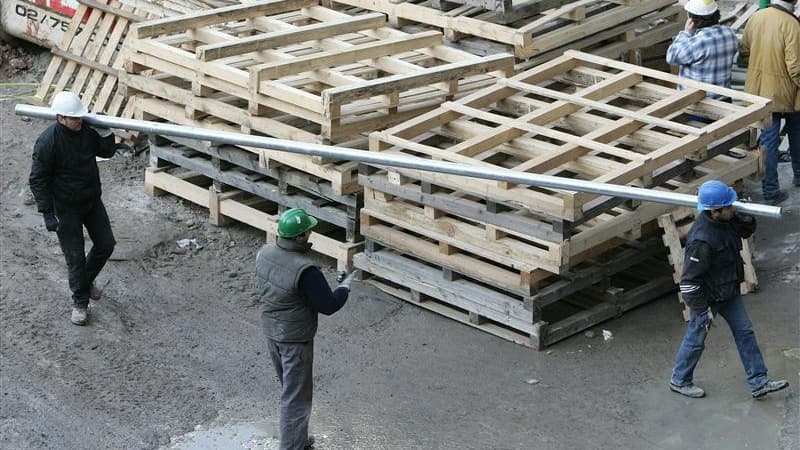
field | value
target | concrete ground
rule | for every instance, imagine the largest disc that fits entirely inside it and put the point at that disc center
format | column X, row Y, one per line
column 173, row 356
column 422, row 381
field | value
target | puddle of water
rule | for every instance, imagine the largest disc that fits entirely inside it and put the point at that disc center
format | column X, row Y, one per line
column 247, row 436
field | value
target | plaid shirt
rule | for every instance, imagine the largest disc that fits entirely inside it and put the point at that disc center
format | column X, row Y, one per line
column 707, row 55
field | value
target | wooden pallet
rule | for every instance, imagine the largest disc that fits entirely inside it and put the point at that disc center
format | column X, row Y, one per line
column 675, row 226
column 505, row 257
column 494, row 312
column 629, row 41
column 241, row 206
column 515, row 215
column 346, row 74
column 288, row 179
column 509, row 247
column 218, row 164
column 90, row 58
column 548, row 30
column 342, row 176
column 578, row 116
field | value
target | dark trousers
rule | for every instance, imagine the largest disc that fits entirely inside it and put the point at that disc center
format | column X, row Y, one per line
column 294, row 365
column 82, row 268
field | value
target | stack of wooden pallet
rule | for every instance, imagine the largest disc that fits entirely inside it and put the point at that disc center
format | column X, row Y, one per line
column 295, row 70
column 538, row 30
column 531, row 264
column 94, row 48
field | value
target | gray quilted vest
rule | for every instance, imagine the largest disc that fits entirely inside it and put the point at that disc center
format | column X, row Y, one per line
column 285, row 314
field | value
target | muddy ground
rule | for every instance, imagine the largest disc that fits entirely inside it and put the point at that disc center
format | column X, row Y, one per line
column 173, row 356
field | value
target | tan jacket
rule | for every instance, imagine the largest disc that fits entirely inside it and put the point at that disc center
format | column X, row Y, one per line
column 771, row 41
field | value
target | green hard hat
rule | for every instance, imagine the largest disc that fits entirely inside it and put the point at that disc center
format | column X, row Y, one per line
column 294, row 222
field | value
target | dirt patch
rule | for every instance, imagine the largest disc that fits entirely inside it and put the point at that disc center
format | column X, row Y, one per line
column 174, row 340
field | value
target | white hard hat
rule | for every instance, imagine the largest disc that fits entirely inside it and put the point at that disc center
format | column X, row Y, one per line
column 68, row 104
column 701, row 7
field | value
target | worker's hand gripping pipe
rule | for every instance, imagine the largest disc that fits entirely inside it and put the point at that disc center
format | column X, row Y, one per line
column 408, row 162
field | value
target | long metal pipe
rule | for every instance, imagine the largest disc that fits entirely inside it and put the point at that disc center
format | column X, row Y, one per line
column 408, row 162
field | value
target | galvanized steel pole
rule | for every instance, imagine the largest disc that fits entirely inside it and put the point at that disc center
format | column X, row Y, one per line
column 408, row 162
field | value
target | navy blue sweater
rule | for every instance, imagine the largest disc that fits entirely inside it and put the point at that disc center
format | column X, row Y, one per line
column 314, row 287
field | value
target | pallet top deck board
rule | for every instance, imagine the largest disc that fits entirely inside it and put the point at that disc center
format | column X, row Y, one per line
column 577, row 116
column 349, row 74
column 539, row 33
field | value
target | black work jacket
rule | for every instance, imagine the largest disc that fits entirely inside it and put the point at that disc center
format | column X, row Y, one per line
column 64, row 171
column 712, row 264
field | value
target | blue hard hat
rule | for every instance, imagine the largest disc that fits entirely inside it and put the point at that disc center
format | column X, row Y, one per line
column 715, row 194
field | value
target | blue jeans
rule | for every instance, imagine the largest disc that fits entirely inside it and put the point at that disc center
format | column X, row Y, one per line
column 694, row 342
column 770, row 140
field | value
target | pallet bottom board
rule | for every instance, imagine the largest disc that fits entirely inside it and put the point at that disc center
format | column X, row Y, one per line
column 487, row 310
column 226, row 205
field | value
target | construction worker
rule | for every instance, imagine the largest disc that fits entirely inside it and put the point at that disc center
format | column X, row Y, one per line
column 293, row 291
column 712, row 273
column 771, row 45
column 65, row 182
column 704, row 50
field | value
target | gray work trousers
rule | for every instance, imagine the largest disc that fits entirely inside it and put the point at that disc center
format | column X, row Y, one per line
column 294, row 364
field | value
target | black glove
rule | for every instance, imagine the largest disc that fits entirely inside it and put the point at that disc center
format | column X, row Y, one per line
column 50, row 222
column 747, row 224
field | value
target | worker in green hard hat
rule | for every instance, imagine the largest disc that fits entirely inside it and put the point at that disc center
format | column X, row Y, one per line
column 293, row 292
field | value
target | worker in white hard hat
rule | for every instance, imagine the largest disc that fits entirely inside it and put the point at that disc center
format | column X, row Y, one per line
column 65, row 182
column 704, row 50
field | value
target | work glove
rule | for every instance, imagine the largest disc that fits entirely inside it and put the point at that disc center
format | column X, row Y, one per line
column 50, row 221
column 706, row 319
column 345, row 279
column 102, row 131
column 747, row 224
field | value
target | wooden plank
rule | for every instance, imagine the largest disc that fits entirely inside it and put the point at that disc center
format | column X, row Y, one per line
column 283, row 38
column 460, row 293
column 622, row 112
column 55, row 64
column 216, row 16
column 86, row 62
column 355, row 53
column 398, row 82
column 116, row 11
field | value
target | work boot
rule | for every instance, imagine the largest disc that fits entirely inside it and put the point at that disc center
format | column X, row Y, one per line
column 776, row 199
column 310, row 440
column 95, row 293
column 770, row 386
column 690, row 390
column 79, row 316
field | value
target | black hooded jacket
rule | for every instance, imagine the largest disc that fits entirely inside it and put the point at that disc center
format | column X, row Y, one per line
column 64, row 172
column 712, row 265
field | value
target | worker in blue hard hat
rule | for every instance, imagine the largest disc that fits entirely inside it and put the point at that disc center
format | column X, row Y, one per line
column 712, row 273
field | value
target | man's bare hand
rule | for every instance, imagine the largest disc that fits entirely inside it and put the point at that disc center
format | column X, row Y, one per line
column 689, row 27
